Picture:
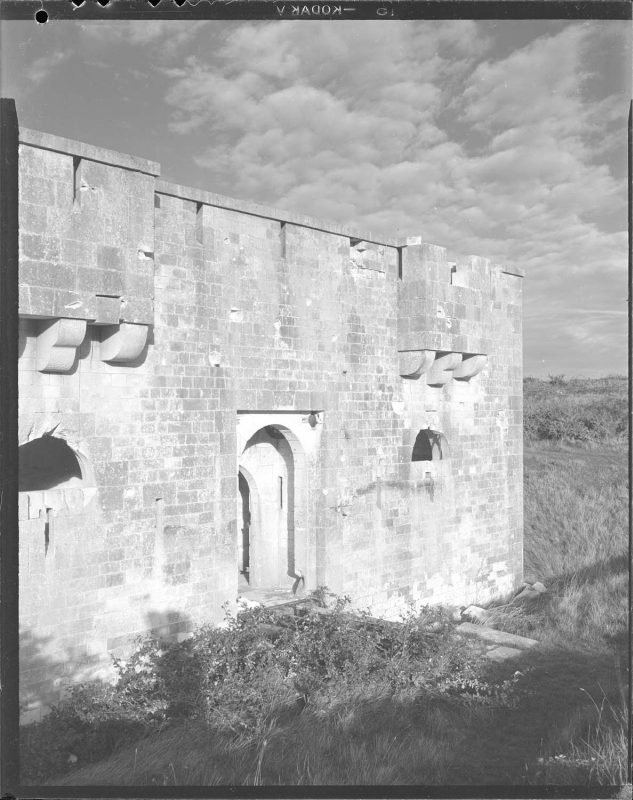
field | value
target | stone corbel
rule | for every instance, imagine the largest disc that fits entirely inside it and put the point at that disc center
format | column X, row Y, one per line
column 443, row 369
column 413, row 363
column 57, row 344
column 124, row 342
column 471, row 365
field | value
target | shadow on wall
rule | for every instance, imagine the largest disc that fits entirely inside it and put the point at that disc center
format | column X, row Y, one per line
column 96, row 719
column 168, row 625
column 45, row 678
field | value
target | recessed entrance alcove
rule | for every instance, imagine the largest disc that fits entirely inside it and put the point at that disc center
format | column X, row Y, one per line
column 272, row 500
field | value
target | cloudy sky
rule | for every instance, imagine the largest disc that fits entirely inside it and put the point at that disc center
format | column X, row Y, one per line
column 503, row 139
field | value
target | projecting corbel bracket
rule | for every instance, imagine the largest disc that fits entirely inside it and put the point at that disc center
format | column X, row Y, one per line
column 57, row 344
column 413, row 363
column 471, row 365
column 443, row 369
column 124, row 342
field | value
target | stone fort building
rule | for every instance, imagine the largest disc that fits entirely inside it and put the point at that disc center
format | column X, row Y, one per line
column 221, row 398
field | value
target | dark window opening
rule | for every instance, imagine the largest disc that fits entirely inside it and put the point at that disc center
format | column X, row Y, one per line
column 45, row 463
column 429, row 446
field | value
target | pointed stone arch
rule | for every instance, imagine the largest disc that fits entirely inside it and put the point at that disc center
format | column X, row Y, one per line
column 272, row 462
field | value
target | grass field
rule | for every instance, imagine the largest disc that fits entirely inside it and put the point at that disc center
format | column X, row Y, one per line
column 556, row 716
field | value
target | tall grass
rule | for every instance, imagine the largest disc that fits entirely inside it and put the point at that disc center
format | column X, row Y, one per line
column 576, row 542
column 591, row 748
column 365, row 739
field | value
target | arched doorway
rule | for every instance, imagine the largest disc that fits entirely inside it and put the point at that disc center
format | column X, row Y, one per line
column 269, row 518
column 244, row 515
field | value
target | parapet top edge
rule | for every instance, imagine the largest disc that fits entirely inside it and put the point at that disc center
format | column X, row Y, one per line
column 60, row 144
column 269, row 212
column 509, row 270
column 71, row 147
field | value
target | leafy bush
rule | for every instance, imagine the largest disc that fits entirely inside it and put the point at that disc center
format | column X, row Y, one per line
column 93, row 721
column 240, row 678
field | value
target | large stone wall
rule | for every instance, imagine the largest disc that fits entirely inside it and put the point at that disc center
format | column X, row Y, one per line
column 171, row 337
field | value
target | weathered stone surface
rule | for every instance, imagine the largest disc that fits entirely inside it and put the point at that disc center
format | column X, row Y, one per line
column 443, row 368
column 500, row 638
column 470, row 366
column 528, row 593
column 413, row 363
column 476, row 614
column 57, row 344
column 503, row 653
column 124, row 342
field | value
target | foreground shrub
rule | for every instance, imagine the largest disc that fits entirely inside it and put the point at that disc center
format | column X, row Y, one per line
column 240, row 679
column 90, row 724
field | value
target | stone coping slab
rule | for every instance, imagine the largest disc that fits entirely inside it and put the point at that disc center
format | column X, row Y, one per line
column 48, row 141
column 500, row 638
column 270, row 212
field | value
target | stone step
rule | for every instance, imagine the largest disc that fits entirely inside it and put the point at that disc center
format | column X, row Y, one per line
column 496, row 637
column 503, row 653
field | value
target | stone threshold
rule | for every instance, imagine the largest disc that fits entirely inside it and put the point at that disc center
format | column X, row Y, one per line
column 501, row 646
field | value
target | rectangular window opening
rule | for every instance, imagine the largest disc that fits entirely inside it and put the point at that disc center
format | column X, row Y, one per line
column 399, row 249
column 281, row 492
